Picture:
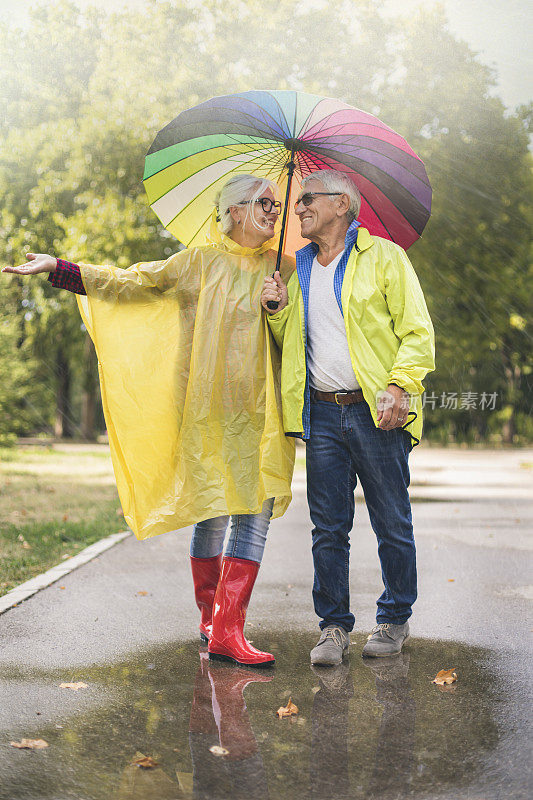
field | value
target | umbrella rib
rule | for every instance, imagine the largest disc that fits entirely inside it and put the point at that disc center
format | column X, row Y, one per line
column 207, row 149
column 236, row 152
column 204, row 222
column 251, row 120
column 394, row 180
column 377, row 215
column 358, row 148
column 389, row 158
column 302, row 127
column 319, row 122
column 365, row 198
column 317, row 156
column 244, row 95
column 320, row 125
column 283, row 117
column 235, row 169
column 302, row 157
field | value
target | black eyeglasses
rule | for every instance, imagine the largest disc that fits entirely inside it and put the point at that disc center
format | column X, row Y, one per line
column 308, row 198
column 266, row 204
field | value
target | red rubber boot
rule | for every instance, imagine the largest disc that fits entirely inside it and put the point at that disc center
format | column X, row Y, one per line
column 205, row 575
column 227, row 642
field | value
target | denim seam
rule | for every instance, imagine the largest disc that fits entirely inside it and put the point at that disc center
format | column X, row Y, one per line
column 235, row 538
column 347, row 559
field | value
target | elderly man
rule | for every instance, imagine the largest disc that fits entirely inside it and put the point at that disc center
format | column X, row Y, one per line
column 357, row 342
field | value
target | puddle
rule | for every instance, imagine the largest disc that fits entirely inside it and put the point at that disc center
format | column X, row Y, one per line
column 378, row 730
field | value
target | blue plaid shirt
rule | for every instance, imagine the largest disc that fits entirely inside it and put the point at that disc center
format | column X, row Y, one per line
column 304, row 263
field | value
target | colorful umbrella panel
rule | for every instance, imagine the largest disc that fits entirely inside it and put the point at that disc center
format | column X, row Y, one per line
column 255, row 132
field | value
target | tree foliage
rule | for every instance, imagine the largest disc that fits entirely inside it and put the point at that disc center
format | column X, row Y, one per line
column 86, row 92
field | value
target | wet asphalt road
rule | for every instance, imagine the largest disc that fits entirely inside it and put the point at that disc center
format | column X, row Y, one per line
column 378, row 730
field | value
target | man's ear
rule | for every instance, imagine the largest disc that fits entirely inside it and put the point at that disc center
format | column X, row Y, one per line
column 343, row 204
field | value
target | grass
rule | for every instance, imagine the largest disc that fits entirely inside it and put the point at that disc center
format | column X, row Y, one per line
column 54, row 501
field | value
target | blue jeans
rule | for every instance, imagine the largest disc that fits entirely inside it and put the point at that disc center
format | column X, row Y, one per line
column 346, row 445
column 247, row 535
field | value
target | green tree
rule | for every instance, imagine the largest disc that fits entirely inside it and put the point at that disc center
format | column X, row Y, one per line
column 74, row 130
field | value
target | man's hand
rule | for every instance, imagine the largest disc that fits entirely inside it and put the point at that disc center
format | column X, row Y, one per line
column 37, row 262
column 392, row 408
column 274, row 289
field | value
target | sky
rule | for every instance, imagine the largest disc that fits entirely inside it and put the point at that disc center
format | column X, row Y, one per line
column 499, row 30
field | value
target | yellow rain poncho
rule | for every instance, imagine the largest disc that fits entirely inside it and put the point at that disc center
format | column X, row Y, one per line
column 190, row 383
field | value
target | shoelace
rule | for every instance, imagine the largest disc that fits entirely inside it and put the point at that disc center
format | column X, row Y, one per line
column 382, row 626
column 335, row 634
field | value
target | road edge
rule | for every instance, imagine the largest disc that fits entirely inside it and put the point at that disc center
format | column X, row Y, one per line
column 34, row 585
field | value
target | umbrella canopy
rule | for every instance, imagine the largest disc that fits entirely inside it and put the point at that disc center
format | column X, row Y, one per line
column 271, row 134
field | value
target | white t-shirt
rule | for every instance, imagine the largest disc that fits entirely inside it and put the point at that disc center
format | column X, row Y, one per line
column 330, row 366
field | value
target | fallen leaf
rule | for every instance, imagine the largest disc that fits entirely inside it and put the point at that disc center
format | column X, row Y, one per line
column 145, row 762
column 74, row 686
column 66, row 555
column 451, row 580
column 447, row 687
column 444, row 676
column 142, row 594
column 288, row 710
column 62, row 587
column 218, row 751
column 30, row 744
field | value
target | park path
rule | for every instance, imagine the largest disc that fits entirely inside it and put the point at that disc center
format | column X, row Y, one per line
column 473, row 515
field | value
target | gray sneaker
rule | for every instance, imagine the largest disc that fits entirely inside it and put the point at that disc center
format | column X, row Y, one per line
column 333, row 643
column 386, row 639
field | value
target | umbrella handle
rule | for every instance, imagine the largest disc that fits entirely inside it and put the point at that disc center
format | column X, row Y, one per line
column 273, row 304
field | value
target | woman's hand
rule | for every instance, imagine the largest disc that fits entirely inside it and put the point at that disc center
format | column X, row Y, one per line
column 274, row 289
column 37, row 262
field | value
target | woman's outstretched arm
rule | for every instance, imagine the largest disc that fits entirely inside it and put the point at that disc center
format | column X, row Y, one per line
column 61, row 274
column 108, row 281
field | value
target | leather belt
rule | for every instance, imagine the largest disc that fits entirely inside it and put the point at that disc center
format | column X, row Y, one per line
column 341, row 398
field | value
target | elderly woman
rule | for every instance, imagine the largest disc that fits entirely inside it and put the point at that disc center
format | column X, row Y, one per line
column 190, row 378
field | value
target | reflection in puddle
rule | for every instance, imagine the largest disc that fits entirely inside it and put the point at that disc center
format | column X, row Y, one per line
column 219, row 719
column 366, row 729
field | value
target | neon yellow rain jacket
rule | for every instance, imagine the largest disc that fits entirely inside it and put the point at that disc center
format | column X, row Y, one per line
column 190, row 382
column 389, row 331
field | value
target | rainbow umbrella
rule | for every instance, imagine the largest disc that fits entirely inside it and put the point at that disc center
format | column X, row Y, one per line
column 284, row 136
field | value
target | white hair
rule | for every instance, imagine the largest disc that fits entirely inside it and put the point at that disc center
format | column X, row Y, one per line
column 237, row 189
column 334, row 181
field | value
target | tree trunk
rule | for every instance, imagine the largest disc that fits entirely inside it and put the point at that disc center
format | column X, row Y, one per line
column 63, row 424
column 513, row 375
column 90, row 389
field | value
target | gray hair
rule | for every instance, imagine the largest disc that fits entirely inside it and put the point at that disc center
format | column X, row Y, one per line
column 334, row 181
column 237, row 189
